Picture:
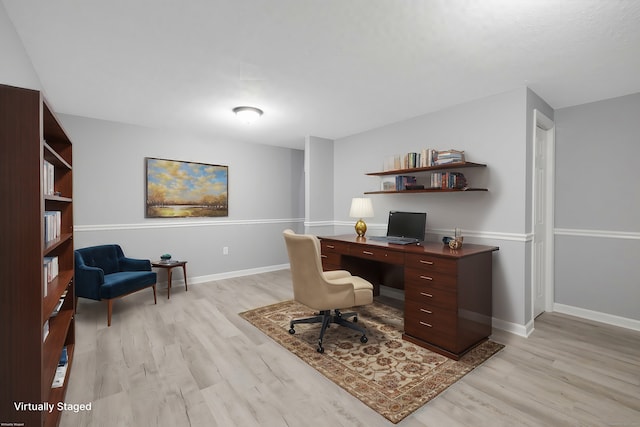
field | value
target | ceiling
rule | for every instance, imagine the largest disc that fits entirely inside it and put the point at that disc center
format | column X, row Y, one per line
column 327, row 68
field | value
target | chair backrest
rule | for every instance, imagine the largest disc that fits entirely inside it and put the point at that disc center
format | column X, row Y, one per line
column 306, row 268
column 105, row 257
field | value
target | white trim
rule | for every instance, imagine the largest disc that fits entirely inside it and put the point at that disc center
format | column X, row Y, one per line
column 181, row 224
column 607, row 234
column 597, row 316
column 513, row 328
column 542, row 123
column 320, row 223
column 237, row 273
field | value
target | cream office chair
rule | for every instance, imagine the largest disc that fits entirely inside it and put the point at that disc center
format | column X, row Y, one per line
column 323, row 291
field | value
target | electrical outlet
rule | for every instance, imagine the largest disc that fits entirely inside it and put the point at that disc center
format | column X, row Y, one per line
column 225, row 250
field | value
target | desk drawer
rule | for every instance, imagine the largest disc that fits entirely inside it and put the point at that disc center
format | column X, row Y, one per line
column 430, row 296
column 377, row 254
column 430, row 324
column 330, row 246
column 431, row 263
column 425, row 277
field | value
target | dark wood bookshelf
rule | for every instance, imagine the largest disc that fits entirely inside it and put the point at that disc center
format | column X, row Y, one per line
column 420, row 170
column 30, row 134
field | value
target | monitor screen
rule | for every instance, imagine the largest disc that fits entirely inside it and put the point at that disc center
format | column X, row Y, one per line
column 407, row 224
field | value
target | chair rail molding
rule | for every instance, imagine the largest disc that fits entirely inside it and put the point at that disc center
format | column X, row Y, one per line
column 182, row 224
column 608, row 234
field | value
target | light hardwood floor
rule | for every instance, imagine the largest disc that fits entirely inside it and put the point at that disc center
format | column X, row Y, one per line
column 192, row 360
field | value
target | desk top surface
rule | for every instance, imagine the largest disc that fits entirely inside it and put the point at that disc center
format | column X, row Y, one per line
column 434, row 248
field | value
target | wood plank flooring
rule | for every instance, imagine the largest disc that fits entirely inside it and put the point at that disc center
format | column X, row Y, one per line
column 192, row 361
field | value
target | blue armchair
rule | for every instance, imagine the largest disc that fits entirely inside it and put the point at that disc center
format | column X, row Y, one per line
column 103, row 273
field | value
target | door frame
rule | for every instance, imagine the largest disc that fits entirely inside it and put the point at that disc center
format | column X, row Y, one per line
column 542, row 123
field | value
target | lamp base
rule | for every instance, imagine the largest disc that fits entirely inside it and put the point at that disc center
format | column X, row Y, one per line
column 361, row 228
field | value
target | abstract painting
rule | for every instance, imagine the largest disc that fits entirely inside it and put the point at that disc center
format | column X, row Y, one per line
column 178, row 189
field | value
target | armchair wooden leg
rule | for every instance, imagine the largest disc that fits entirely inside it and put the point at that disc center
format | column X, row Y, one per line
column 109, row 308
column 155, row 300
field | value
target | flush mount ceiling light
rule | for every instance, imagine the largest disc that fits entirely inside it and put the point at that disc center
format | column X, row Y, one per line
column 248, row 114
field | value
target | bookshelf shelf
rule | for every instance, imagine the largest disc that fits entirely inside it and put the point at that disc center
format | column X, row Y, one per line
column 424, row 170
column 36, row 153
column 448, row 166
column 427, row 190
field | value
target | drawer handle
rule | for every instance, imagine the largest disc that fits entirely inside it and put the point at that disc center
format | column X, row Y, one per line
column 426, row 294
column 323, row 256
column 423, row 261
column 367, row 253
column 331, row 246
column 426, row 277
column 426, row 324
column 424, row 310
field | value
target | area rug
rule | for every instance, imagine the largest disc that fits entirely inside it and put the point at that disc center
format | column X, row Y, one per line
column 392, row 376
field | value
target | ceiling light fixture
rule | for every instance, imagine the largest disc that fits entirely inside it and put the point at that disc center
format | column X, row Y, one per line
column 248, row 114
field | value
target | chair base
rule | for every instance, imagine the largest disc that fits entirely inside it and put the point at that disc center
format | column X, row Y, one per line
column 326, row 318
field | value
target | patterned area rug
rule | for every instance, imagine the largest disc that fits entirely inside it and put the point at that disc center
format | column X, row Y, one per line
column 392, row 376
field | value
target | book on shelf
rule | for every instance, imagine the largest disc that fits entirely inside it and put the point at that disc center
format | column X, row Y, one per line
column 51, row 268
column 402, row 181
column 449, row 156
column 48, row 178
column 45, row 330
column 52, row 225
column 448, row 180
column 64, row 357
column 388, row 183
column 59, row 304
column 427, row 157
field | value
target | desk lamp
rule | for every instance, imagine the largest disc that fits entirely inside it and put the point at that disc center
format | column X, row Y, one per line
column 361, row 207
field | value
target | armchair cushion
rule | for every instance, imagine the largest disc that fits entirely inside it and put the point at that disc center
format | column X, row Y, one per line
column 125, row 282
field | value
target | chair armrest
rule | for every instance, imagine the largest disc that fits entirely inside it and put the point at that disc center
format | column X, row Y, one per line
column 335, row 274
column 88, row 281
column 132, row 264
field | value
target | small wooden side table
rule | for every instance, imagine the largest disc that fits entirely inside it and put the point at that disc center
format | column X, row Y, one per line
column 170, row 265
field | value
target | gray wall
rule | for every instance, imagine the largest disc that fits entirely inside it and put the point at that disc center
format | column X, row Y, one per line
column 109, row 180
column 597, row 216
column 319, row 185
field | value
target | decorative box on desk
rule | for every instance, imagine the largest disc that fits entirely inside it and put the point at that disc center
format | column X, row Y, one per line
column 447, row 292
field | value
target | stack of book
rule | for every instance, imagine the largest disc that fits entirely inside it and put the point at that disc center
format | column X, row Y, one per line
column 52, row 221
column 448, row 180
column 449, row 156
column 50, row 264
column 403, row 181
column 48, row 177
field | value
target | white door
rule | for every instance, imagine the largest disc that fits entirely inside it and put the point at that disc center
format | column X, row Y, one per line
column 542, row 268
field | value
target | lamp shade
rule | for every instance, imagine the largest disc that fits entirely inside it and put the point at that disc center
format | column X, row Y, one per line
column 361, row 207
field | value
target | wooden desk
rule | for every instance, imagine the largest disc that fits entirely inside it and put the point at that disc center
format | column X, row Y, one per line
column 447, row 305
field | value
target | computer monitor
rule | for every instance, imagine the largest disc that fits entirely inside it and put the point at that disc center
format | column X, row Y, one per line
column 407, row 224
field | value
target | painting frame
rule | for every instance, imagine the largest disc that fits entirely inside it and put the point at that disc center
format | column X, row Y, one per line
column 185, row 189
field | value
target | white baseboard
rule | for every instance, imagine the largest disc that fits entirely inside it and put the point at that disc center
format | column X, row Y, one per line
column 237, row 273
column 597, row 316
column 513, row 328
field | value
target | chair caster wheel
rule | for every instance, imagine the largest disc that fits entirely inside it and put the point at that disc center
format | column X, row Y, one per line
column 320, row 349
column 363, row 339
column 292, row 331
